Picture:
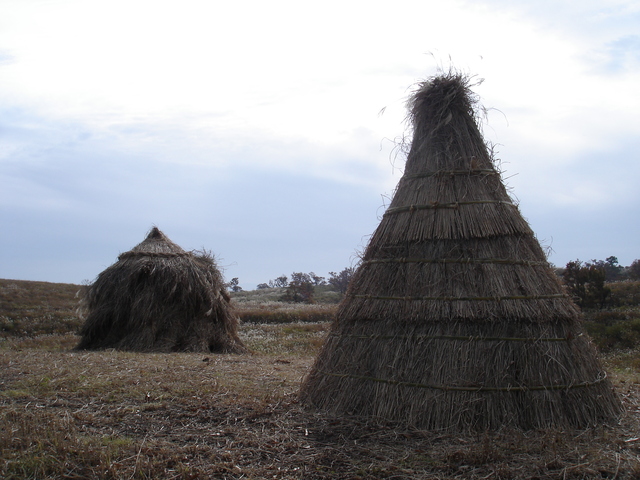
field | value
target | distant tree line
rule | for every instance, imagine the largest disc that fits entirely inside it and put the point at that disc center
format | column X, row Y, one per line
column 300, row 288
column 587, row 281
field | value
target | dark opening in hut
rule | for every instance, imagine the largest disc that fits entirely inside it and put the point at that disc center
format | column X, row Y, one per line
column 159, row 298
column 454, row 318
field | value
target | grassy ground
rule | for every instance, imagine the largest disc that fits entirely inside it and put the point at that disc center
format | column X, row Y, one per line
column 122, row 415
column 127, row 415
column 35, row 308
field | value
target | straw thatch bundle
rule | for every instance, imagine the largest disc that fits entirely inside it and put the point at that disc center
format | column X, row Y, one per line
column 454, row 318
column 159, row 298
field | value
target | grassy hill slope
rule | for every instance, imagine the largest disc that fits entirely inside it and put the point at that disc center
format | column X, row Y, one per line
column 30, row 308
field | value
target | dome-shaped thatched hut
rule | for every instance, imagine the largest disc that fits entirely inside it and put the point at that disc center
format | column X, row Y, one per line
column 454, row 318
column 159, row 298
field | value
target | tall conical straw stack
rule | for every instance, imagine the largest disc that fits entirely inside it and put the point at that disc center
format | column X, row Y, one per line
column 454, row 318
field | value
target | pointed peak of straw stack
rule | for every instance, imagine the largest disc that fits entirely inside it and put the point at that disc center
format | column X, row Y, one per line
column 444, row 114
column 155, row 233
column 155, row 243
column 437, row 99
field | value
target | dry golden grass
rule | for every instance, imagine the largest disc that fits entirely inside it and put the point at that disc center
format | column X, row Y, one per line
column 125, row 415
column 36, row 308
column 120, row 415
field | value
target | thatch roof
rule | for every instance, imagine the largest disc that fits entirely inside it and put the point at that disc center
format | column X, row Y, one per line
column 157, row 297
column 454, row 318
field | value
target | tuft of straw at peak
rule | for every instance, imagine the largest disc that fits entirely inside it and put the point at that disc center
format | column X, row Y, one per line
column 435, row 102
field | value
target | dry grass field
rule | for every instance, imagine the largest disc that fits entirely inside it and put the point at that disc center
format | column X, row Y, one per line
column 122, row 415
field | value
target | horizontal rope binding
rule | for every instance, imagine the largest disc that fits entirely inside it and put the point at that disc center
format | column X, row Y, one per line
column 455, row 388
column 464, row 299
column 445, row 173
column 501, row 261
column 154, row 254
column 437, row 205
column 465, row 338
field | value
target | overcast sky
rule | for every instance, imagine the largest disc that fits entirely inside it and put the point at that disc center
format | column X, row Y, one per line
column 265, row 131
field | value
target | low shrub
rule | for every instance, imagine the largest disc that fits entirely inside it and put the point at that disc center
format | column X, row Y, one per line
column 614, row 329
column 271, row 314
column 607, row 317
column 625, row 293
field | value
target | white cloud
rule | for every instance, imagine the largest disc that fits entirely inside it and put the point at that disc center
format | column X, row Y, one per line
column 137, row 111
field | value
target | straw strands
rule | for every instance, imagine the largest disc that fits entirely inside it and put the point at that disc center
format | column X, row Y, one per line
column 159, row 298
column 454, row 318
